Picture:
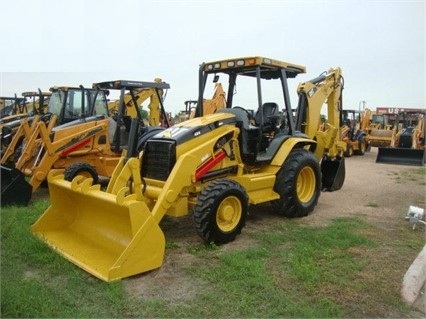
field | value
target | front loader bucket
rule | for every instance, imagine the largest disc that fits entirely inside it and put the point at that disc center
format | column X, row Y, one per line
column 90, row 228
column 333, row 173
column 398, row 155
column 15, row 190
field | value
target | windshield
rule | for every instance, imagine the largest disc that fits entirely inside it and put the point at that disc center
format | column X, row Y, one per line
column 99, row 102
column 55, row 102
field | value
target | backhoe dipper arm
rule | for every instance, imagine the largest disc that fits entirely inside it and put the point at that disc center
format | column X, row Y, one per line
column 326, row 88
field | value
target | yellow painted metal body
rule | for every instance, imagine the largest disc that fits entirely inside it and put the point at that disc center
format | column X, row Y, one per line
column 95, row 149
column 108, row 239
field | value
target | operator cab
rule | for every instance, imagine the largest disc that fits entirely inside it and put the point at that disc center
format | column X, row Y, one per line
column 255, row 81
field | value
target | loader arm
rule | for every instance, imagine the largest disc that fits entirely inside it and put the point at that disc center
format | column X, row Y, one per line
column 53, row 150
column 24, row 131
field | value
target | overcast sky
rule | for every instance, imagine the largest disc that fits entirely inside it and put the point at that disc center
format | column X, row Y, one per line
column 379, row 45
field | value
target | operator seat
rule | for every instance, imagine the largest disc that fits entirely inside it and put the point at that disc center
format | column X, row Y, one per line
column 271, row 115
column 268, row 125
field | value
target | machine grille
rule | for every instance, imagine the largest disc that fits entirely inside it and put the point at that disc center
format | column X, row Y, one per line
column 159, row 158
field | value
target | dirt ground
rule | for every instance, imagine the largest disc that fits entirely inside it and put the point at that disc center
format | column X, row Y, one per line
column 380, row 193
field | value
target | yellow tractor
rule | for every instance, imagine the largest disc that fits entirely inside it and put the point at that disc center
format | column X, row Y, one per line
column 88, row 143
column 212, row 166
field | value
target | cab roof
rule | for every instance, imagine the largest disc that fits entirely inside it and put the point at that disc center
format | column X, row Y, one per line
column 269, row 68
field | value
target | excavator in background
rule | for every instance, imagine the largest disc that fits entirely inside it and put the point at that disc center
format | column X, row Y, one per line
column 90, row 145
column 213, row 166
column 353, row 132
column 142, row 95
column 408, row 143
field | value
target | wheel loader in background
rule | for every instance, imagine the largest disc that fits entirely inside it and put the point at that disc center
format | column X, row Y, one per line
column 382, row 129
column 408, row 144
column 90, row 146
column 213, row 166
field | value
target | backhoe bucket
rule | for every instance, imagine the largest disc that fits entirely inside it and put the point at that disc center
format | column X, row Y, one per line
column 398, row 155
column 333, row 173
column 89, row 227
column 15, row 190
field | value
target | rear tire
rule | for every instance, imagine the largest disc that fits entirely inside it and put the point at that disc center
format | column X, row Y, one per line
column 220, row 212
column 84, row 169
column 298, row 183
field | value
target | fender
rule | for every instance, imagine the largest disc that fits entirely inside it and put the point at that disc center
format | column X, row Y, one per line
column 287, row 145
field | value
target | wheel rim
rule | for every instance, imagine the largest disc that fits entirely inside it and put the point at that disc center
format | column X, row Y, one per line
column 229, row 214
column 306, row 182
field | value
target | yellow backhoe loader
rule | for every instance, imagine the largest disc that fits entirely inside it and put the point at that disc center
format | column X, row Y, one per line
column 407, row 146
column 12, row 108
column 141, row 95
column 12, row 111
column 352, row 132
column 90, row 145
column 36, row 103
column 213, row 166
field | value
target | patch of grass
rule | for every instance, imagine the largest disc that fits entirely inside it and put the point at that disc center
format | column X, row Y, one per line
column 172, row 245
column 203, row 249
column 372, row 204
column 290, row 270
column 36, row 282
column 413, row 175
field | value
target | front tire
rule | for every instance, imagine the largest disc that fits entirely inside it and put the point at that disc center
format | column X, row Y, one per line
column 220, row 212
column 298, row 183
column 84, row 169
column 349, row 150
column 361, row 147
